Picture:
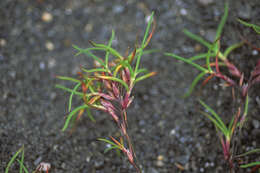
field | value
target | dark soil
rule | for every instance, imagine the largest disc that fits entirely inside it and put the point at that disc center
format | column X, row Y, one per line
column 162, row 124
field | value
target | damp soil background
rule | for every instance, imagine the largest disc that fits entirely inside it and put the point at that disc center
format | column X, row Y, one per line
column 166, row 129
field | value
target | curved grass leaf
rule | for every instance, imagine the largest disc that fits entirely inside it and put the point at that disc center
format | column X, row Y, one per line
column 90, row 115
column 22, row 167
column 88, row 53
column 71, row 95
column 217, row 117
column 140, row 51
column 115, row 79
column 110, row 148
column 10, row 163
column 255, row 27
column 197, row 38
column 216, row 123
column 68, row 78
column 69, row 90
column 231, row 48
column 222, row 22
column 249, row 152
column 250, row 165
column 94, row 70
column 201, row 56
column 145, row 76
column 194, row 83
column 71, row 114
column 109, row 142
column 187, row 61
column 109, row 45
column 108, row 49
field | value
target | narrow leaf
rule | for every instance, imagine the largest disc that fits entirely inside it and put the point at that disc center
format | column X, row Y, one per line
column 88, row 53
column 68, row 78
column 187, row 61
column 145, row 76
column 216, row 116
column 69, row 90
column 13, row 159
column 197, row 38
column 109, row 45
column 222, row 22
column 250, row 165
column 194, row 83
column 71, row 114
column 71, row 95
column 115, row 79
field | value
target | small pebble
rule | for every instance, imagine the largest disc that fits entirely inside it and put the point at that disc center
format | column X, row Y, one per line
column 172, row 132
column 51, row 63
column 49, row 46
column 254, row 52
column 88, row 159
column 183, row 12
column 88, row 27
column 47, row 17
column 160, row 158
column 42, row 65
column 2, row 42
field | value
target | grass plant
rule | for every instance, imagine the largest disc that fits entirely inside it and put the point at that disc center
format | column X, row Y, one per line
column 234, row 79
column 108, row 87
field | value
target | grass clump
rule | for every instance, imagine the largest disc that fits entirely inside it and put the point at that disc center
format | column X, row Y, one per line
column 235, row 79
column 108, row 87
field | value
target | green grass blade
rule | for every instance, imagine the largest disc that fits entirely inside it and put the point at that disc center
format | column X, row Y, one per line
column 151, row 51
column 255, row 27
column 144, row 77
column 194, row 83
column 231, row 123
column 68, row 78
column 200, row 56
column 246, row 106
column 90, row 115
column 222, row 22
column 22, row 166
column 209, row 56
column 250, row 165
column 187, row 61
column 140, row 53
column 71, row 95
column 108, row 49
column 94, row 70
column 71, row 114
column 215, row 122
column 109, row 45
column 115, row 79
column 69, row 90
column 231, row 48
column 109, row 142
column 197, row 38
column 216, row 116
column 110, row 148
column 88, row 53
column 142, row 70
column 249, row 152
column 13, row 159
